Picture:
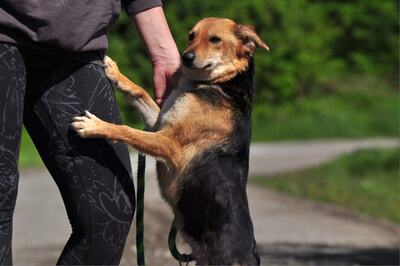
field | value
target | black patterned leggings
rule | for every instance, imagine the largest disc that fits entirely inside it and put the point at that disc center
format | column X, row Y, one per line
column 44, row 92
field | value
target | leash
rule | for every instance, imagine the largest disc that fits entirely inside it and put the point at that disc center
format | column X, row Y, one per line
column 140, row 260
column 174, row 250
column 140, row 209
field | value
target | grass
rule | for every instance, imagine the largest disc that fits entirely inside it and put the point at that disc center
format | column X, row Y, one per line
column 28, row 156
column 358, row 108
column 366, row 181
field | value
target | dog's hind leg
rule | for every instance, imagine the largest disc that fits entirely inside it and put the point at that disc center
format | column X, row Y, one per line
column 136, row 95
column 157, row 144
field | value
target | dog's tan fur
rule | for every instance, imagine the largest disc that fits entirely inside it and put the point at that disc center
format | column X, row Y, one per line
column 187, row 124
column 177, row 141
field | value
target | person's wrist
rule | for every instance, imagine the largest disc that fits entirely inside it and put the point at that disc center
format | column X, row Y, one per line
column 166, row 59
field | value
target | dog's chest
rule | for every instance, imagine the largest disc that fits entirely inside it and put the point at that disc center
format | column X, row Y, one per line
column 176, row 108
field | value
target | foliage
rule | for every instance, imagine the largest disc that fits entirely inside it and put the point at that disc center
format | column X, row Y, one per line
column 366, row 181
column 360, row 107
column 313, row 42
column 368, row 39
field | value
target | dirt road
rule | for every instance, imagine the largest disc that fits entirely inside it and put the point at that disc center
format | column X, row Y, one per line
column 288, row 231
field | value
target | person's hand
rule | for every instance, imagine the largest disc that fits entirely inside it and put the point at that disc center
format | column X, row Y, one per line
column 165, row 77
column 162, row 50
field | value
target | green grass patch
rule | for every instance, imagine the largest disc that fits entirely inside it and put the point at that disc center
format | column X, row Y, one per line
column 28, row 157
column 366, row 181
column 357, row 109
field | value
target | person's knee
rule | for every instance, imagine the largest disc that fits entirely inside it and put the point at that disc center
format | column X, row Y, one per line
column 109, row 220
column 101, row 240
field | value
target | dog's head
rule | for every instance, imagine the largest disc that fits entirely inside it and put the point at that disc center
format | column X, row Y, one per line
column 218, row 50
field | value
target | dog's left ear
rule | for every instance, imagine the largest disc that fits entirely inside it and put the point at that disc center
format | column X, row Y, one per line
column 250, row 39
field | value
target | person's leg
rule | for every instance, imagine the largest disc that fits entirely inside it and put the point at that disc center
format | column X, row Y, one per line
column 12, row 89
column 94, row 176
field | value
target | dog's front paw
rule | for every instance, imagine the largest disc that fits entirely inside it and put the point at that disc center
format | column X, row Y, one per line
column 88, row 126
column 111, row 69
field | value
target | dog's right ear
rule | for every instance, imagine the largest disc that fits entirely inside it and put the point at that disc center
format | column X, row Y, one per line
column 250, row 39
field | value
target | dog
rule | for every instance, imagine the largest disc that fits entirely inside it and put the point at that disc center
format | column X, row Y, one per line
column 201, row 139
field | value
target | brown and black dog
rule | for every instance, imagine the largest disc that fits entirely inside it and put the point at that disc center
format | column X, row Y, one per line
column 200, row 138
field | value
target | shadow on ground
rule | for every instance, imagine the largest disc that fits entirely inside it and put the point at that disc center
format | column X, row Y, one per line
column 302, row 254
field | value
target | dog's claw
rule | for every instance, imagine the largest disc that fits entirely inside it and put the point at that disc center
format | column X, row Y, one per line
column 89, row 114
column 86, row 126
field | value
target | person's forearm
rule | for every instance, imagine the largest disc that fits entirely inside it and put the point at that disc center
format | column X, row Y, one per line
column 154, row 31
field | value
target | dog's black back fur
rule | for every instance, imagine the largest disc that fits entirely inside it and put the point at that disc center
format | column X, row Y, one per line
column 213, row 200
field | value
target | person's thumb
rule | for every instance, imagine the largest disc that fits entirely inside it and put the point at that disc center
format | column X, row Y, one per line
column 159, row 87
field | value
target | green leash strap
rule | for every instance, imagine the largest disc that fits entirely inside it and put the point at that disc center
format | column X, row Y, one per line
column 172, row 246
column 140, row 221
column 140, row 209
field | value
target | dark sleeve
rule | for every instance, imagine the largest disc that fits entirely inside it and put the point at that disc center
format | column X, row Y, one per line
column 135, row 6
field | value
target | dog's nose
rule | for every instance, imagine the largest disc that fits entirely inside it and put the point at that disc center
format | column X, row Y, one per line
column 188, row 58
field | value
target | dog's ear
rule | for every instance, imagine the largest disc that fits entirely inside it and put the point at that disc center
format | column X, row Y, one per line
column 250, row 39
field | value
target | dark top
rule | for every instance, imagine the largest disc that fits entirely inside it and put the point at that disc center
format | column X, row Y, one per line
column 68, row 27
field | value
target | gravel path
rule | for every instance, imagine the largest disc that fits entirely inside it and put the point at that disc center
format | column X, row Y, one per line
column 289, row 231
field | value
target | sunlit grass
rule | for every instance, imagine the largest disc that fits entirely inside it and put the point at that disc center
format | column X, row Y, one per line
column 366, row 181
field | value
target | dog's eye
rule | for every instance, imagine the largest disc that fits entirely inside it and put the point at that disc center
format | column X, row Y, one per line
column 215, row 39
column 191, row 36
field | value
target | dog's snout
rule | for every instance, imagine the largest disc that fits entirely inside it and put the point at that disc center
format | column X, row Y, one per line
column 188, row 58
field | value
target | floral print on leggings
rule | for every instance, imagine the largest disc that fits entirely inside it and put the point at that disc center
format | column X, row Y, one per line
column 44, row 92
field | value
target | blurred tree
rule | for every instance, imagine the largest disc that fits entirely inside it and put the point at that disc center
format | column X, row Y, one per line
column 368, row 38
column 313, row 42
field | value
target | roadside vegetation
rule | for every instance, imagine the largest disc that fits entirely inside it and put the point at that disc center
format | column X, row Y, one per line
column 28, row 156
column 358, row 108
column 324, row 55
column 366, row 181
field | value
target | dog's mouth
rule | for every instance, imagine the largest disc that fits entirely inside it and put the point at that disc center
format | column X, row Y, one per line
column 208, row 66
column 200, row 71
